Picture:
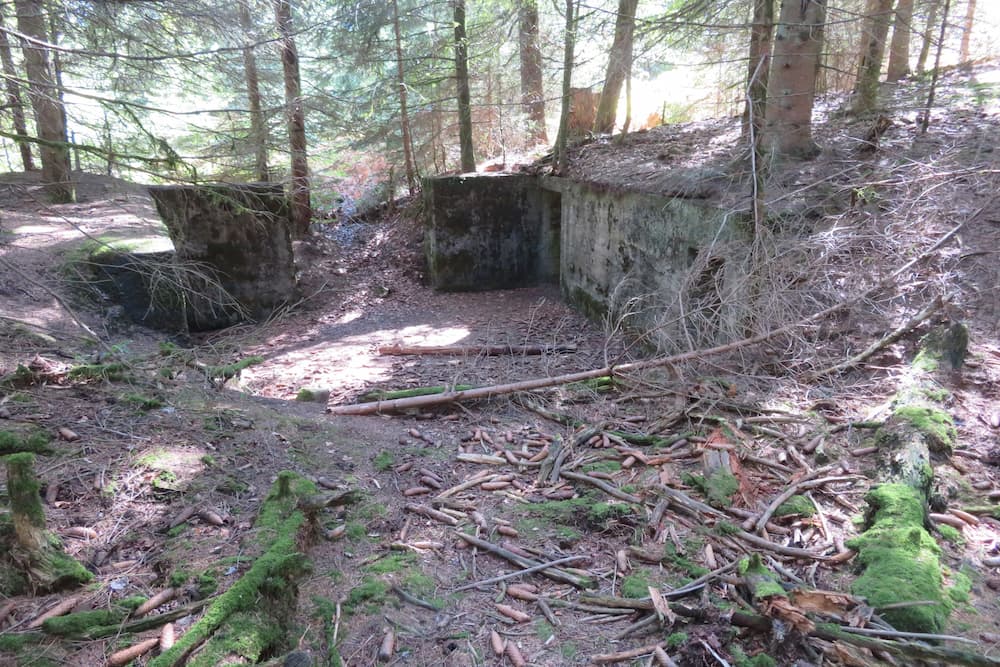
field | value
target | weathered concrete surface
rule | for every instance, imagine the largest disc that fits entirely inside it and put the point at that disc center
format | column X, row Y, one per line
column 240, row 234
column 488, row 232
column 606, row 247
column 617, row 245
column 140, row 283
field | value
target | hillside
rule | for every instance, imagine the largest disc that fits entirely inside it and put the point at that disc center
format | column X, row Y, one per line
column 166, row 448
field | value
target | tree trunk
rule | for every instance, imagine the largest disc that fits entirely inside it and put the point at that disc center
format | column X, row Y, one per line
column 899, row 49
column 462, row 83
column 970, row 17
column 49, row 122
column 791, row 86
column 761, row 32
column 14, row 101
column 301, row 206
column 404, row 117
column 57, row 70
column 865, row 95
column 532, row 92
column 928, row 35
column 562, row 136
column 258, row 128
column 619, row 62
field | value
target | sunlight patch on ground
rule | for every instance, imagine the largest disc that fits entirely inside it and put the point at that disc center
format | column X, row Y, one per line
column 345, row 363
column 422, row 334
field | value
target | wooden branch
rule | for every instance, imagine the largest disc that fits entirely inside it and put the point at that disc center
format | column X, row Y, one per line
column 602, row 485
column 474, row 350
column 379, row 407
column 885, row 341
column 553, row 573
column 530, row 570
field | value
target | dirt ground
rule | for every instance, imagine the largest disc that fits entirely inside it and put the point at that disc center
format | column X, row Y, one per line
column 162, row 482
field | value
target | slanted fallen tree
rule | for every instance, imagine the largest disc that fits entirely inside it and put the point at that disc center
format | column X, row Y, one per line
column 250, row 621
column 902, row 572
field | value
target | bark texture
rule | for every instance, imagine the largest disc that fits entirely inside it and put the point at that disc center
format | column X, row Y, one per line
column 619, row 65
column 927, row 38
column 404, row 116
column 865, row 95
column 43, row 92
column 532, row 92
column 462, row 83
column 258, row 128
column 296, row 116
column 970, row 20
column 562, row 138
column 14, row 100
column 792, row 83
column 899, row 48
column 761, row 33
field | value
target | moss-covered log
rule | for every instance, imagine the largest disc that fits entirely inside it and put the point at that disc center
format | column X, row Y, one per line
column 33, row 551
column 900, row 559
column 250, row 621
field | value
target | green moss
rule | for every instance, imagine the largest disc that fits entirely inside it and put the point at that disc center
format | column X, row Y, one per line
column 679, row 560
column 936, row 425
column 760, row 580
column 676, row 639
column 15, row 642
column 207, row 584
column 247, row 634
column 961, row 588
column 230, row 371
column 81, row 623
column 34, row 441
column 393, row 562
column 370, row 593
column 900, row 560
column 278, row 526
column 419, row 583
column 799, row 505
column 131, row 603
column 636, row 586
column 142, row 402
column 951, row 534
column 606, row 466
column 384, row 460
column 741, row 659
column 305, row 395
column 718, row 487
column 178, row 578
column 112, row 371
column 543, row 630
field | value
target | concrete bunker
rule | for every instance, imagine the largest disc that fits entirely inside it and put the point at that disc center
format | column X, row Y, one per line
column 232, row 259
column 605, row 247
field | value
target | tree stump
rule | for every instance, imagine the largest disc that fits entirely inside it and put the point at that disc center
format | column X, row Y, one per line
column 240, row 234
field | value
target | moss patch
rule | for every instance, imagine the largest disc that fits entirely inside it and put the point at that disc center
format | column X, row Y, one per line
column 636, row 586
column 901, row 561
column 718, row 487
column 799, row 505
column 936, row 425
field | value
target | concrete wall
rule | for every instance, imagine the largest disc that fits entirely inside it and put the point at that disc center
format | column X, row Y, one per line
column 487, row 232
column 603, row 246
column 619, row 245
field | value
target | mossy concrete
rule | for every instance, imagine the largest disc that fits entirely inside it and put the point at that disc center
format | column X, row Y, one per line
column 239, row 233
column 606, row 247
column 487, row 232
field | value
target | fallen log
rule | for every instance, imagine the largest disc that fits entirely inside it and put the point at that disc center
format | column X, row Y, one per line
column 259, row 608
column 900, row 559
column 474, row 350
column 382, row 407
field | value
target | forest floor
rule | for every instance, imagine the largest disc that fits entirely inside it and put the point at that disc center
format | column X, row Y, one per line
column 160, row 469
